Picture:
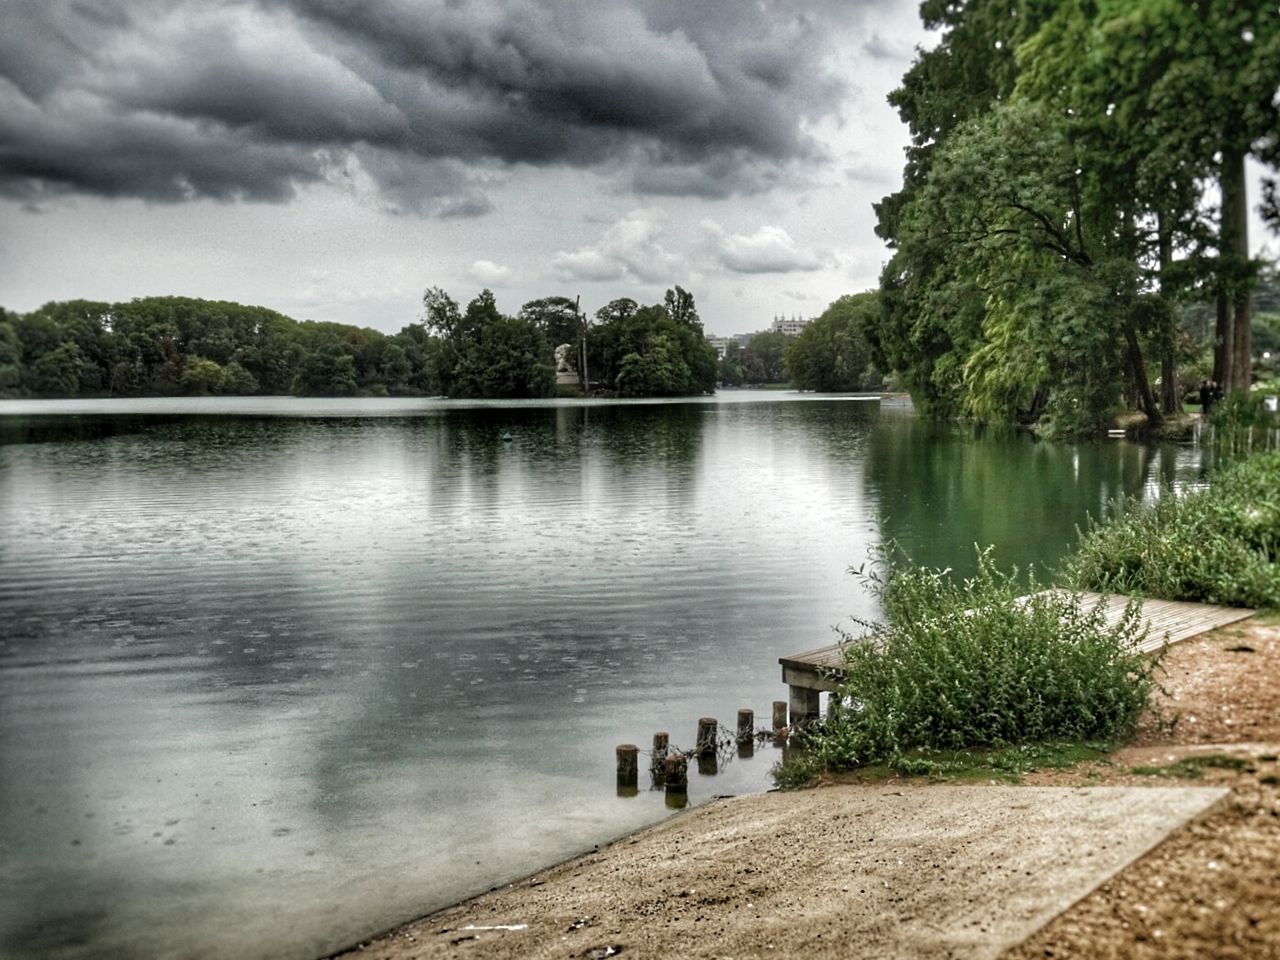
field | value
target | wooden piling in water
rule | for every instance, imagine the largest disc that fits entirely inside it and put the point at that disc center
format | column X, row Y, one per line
column 658, row 760
column 628, row 765
column 677, row 774
column 707, row 729
column 779, row 715
column 746, row 725
column 660, row 743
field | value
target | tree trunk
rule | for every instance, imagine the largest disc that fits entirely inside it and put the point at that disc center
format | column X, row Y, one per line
column 1223, row 338
column 1234, row 250
column 1170, row 395
column 1146, row 399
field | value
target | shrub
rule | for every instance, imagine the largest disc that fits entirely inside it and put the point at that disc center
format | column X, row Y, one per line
column 973, row 664
column 1217, row 544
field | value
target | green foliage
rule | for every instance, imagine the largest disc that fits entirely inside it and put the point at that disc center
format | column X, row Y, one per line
column 201, row 377
column 482, row 353
column 1218, row 544
column 832, row 352
column 969, row 665
column 658, row 350
column 1060, row 188
column 168, row 345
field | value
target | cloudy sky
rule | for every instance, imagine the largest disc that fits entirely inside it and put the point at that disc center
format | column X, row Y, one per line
column 332, row 159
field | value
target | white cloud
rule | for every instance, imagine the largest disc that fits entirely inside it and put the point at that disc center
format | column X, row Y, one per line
column 768, row 250
column 488, row 272
column 628, row 249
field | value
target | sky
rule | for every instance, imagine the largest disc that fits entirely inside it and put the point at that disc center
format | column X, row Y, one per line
column 332, row 160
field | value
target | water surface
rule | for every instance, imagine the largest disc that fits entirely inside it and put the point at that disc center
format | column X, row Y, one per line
column 276, row 674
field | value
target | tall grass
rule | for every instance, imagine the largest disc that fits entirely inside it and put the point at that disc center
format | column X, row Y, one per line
column 1217, row 544
column 972, row 664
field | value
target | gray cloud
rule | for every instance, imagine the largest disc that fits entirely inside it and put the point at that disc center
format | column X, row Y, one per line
column 769, row 250
column 629, row 249
column 173, row 99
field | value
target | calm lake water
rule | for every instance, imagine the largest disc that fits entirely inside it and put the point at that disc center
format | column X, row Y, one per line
column 276, row 674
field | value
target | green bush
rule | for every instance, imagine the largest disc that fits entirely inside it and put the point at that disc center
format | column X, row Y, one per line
column 970, row 664
column 1217, row 544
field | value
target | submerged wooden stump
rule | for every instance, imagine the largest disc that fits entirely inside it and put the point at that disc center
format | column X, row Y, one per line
column 628, row 755
column 677, row 776
column 707, row 730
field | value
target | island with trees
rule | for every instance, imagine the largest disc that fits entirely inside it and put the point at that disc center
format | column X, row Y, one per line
column 168, row 346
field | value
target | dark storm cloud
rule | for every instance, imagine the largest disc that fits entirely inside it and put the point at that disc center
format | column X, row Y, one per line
column 419, row 101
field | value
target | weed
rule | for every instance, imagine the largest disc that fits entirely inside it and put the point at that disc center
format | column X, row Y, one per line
column 1218, row 544
column 975, row 666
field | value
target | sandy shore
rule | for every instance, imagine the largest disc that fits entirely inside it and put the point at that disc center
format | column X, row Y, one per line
column 1109, row 859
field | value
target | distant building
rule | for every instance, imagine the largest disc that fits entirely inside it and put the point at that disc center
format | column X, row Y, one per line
column 790, row 327
column 781, row 324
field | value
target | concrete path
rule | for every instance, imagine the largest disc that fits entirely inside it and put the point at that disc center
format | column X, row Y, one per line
column 848, row 871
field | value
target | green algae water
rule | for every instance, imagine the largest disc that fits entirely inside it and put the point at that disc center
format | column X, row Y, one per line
column 276, row 674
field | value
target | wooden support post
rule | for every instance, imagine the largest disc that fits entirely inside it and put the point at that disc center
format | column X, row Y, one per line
column 677, row 773
column 746, row 733
column 779, row 715
column 658, row 762
column 804, row 705
column 628, row 769
column 707, row 730
column 660, row 742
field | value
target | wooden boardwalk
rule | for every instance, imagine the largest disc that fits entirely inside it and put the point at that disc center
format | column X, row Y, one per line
column 1168, row 621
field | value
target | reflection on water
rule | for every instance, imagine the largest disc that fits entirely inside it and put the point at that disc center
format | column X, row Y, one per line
column 276, row 674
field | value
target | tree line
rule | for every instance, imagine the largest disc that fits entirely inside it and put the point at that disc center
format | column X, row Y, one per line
column 166, row 346
column 1076, row 177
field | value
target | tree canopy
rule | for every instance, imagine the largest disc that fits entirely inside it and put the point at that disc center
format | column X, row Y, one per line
column 1076, row 169
column 163, row 346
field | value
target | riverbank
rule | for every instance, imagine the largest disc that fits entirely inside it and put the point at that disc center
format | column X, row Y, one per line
column 904, row 868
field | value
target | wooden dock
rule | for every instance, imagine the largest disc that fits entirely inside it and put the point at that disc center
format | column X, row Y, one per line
column 1168, row 621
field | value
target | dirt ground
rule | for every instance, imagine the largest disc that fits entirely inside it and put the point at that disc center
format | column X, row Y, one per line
column 706, row 885
column 1211, row 889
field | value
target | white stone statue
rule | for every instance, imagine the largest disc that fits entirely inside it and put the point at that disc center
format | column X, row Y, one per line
column 562, row 359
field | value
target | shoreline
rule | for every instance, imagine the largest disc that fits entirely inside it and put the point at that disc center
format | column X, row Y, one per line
column 769, row 874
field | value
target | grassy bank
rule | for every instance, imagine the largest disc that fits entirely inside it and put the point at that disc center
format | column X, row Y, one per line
column 1217, row 544
column 965, row 678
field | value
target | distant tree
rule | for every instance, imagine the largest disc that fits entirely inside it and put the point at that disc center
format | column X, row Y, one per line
column 617, row 311
column 512, row 360
column 10, row 356
column 556, row 317
column 764, row 358
column 832, row 352
column 238, row 380
column 731, row 366
column 645, row 351
column 201, row 377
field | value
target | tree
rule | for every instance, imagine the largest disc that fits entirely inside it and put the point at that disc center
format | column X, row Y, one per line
column 645, row 351
column 57, row 373
column 202, row 377
column 763, row 360
column 1053, row 203
column 556, row 317
column 832, row 352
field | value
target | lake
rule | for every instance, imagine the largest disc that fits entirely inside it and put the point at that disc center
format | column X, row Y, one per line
column 276, row 673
